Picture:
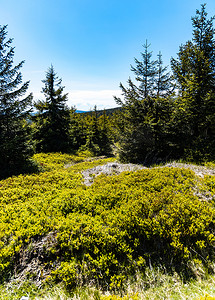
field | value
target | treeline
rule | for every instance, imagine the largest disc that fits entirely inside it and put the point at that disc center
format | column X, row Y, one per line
column 164, row 114
column 172, row 115
column 58, row 128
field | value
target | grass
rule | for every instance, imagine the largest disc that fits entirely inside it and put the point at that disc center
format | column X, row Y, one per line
column 156, row 285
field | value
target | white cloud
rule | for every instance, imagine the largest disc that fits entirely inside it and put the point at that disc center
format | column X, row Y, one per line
column 87, row 99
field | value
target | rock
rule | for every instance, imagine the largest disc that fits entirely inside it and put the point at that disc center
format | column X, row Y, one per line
column 108, row 169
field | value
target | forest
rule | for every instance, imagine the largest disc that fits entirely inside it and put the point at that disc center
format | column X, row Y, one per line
column 120, row 235
column 164, row 114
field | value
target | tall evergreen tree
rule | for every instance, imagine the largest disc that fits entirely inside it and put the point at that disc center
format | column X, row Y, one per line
column 163, row 79
column 194, row 70
column 53, row 117
column 145, row 72
column 146, row 106
column 15, row 148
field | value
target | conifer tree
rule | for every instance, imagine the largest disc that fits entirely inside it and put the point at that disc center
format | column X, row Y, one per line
column 146, row 106
column 163, row 106
column 97, row 133
column 92, row 139
column 77, row 130
column 145, row 71
column 163, row 79
column 194, row 70
column 105, row 141
column 53, row 117
column 15, row 148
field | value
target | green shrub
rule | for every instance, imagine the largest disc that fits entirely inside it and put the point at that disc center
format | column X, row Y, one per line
column 207, row 297
column 108, row 231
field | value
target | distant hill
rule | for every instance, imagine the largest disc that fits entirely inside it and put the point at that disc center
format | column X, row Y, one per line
column 108, row 111
column 80, row 111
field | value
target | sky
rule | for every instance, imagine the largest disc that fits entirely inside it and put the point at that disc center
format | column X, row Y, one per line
column 92, row 43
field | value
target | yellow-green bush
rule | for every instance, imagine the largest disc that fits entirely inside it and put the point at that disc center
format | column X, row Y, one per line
column 105, row 232
column 206, row 297
column 127, row 297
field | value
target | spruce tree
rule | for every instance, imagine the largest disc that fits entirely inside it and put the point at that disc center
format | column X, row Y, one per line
column 92, row 139
column 145, row 72
column 146, row 106
column 53, row 117
column 194, row 70
column 163, row 79
column 96, row 129
column 105, row 141
column 15, row 146
column 77, row 130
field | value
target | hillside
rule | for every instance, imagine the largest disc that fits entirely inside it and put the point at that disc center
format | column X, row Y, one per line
column 109, row 232
column 108, row 111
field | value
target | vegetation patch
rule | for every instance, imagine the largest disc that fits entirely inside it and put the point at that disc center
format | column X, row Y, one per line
column 55, row 229
column 112, row 168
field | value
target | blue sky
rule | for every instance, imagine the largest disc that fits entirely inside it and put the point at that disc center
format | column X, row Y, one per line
column 92, row 43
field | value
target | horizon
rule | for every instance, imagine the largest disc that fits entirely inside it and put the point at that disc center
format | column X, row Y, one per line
column 93, row 43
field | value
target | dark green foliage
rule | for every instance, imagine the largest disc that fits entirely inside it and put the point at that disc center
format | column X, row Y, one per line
column 145, row 72
column 105, row 142
column 163, row 80
column 157, row 124
column 77, row 130
column 98, row 139
column 15, row 147
column 194, row 70
column 92, row 142
column 146, row 113
column 109, row 111
column 53, row 118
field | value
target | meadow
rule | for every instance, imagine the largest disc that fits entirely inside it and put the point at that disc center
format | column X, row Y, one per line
column 144, row 234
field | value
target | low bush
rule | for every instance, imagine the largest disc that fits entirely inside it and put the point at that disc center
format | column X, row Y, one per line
column 108, row 231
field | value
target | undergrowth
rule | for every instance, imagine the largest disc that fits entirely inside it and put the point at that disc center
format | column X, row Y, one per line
column 155, row 285
column 56, row 230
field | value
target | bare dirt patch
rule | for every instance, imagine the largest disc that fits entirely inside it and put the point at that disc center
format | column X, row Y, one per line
column 114, row 168
column 199, row 170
